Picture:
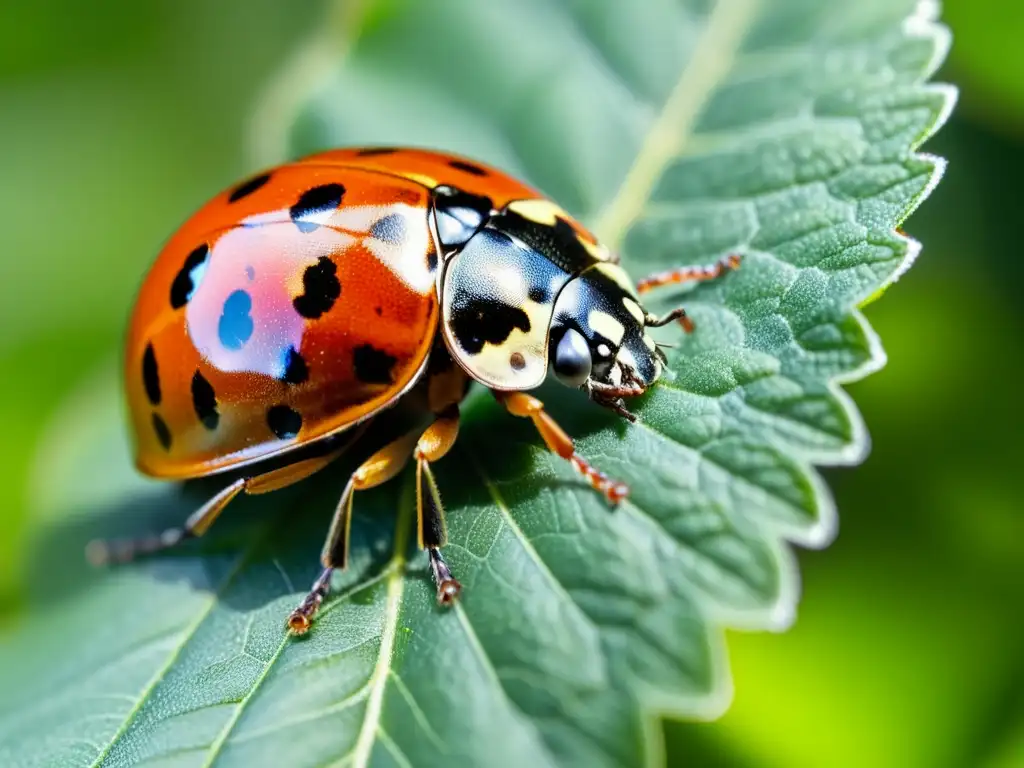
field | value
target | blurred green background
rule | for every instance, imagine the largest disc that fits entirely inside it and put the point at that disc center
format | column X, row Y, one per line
column 118, row 118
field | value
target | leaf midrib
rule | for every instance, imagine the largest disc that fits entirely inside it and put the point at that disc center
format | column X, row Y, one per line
column 233, row 720
column 666, row 139
column 378, row 679
column 393, row 571
column 186, row 637
column 341, row 599
column 709, row 64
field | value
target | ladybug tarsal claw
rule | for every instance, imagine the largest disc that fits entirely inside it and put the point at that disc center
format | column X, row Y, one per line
column 299, row 623
column 301, row 619
column 448, row 592
column 448, row 588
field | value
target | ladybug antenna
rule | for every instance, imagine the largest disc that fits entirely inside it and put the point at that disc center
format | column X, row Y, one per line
column 676, row 315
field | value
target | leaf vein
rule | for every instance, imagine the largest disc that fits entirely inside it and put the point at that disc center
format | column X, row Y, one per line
column 730, row 473
column 708, row 66
column 528, row 548
column 339, row 706
column 161, row 673
column 222, row 738
column 392, row 609
column 491, row 672
column 393, row 748
column 418, row 713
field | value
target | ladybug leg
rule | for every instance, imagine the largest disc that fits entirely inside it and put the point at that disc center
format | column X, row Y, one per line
column 557, row 441
column 376, row 470
column 100, row 552
column 432, row 533
column 688, row 274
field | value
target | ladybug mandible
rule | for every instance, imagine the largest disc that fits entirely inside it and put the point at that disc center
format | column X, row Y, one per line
column 303, row 302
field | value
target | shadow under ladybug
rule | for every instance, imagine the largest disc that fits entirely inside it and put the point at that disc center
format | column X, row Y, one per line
column 292, row 312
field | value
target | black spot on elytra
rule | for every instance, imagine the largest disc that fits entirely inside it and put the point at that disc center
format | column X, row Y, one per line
column 283, row 421
column 326, row 197
column 247, row 188
column 204, row 400
column 538, row 294
column 235, row 326
column 188, row 277
column 517, row 361
column 432, row 259
column 151, row 375
column 295, row 369
column 390, row 228
column 461, row 165
column 379, row 311
column 163, row 433
column 370, row 151
column 485, row 321
column 321, row 288
column 372, row 365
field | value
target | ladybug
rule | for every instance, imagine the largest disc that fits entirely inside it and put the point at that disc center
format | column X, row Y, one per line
column 295, row 307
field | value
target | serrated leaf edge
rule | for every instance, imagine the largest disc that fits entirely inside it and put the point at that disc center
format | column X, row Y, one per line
column 615, row 220
column 282, row 100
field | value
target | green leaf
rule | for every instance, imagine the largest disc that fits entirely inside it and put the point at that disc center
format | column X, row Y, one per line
column 782, row 129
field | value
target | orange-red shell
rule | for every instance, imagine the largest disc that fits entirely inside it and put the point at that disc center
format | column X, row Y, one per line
column 291, row 307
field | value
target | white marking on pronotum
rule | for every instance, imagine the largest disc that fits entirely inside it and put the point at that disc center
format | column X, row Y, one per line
column 538, row 210
column 511, row 286
column 617, row 275
column 607, row 326
column 634, row 309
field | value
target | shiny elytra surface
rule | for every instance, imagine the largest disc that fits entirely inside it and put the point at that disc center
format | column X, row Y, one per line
column 290, row 307
column 278, row 318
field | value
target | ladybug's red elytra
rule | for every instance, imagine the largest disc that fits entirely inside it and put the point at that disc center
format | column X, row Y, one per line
column 301, row 303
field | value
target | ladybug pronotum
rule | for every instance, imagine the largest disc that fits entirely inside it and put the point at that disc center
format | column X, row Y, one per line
column 307, row 300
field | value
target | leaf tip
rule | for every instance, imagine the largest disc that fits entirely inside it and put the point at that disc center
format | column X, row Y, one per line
column 927, row 11
column 925, row 22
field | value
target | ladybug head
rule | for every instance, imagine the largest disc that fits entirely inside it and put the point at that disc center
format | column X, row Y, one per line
column 598, row 339
column 510, row 315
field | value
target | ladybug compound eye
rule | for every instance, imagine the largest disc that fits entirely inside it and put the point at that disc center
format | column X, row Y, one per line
column 572, row 361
